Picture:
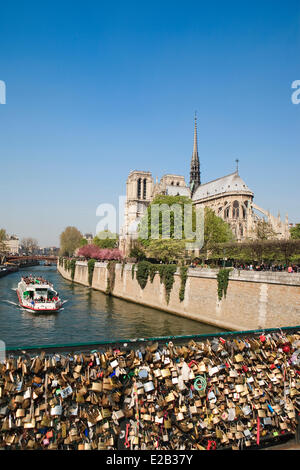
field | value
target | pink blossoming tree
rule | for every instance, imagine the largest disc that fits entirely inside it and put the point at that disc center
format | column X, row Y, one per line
column 100, row 254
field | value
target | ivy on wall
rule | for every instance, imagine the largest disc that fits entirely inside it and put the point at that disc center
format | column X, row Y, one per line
column 183, row 277
column 142, row 273
column 67, row 264
column 166, row 273
column 152, row 271
column 91, row 265
column 122, row 270
column 111, row 269
column 146, row 270
column 72, row 268
column 223, row 279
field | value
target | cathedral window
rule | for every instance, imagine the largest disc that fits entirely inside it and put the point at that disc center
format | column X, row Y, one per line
column 145, row 189
column 235, row 210
column 139, row 188
column 227, row 212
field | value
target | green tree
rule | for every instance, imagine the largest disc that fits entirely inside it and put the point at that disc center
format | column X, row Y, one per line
column 137, row 251
column 169, row 223
column 3, row 238
column 288, row 249
column 270, row 251
column 215, row 229
column 83, row 242
column 70, row 239
column 264, row 230
column 162, row 230
column 165, row 250
column 106, row 239
column 295, row 232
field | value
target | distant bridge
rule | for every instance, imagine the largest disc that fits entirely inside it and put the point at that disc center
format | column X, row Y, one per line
column 14, row 259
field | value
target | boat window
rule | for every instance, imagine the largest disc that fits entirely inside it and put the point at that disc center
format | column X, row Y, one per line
column 41, row 291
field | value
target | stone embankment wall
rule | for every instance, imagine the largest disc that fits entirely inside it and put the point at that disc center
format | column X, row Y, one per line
column 253, row 301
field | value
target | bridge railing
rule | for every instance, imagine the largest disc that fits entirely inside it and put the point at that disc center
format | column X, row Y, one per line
column 137, row 343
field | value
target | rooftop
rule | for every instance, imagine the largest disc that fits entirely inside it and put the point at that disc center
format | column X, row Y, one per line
column 225, row 184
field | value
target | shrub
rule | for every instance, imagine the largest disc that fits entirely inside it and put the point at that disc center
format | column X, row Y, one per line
column 91, row 265
column 183, row 276
column 223, row 279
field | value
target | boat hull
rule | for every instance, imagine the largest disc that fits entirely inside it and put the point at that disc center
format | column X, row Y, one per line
column 40, row 308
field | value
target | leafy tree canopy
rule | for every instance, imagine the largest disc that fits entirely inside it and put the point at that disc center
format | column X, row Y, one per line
column 162, row 230
column 3, row 237
column 295, row 232
column 137, row 251
column 70, row 239
column 169, row 221
column 216, row 230
column 165, row 250
column 264, row 230
column 106, row 239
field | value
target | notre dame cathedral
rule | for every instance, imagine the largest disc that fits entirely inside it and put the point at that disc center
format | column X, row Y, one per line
column 229, row 197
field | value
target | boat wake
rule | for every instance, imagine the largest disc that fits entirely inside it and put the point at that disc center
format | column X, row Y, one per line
column 11, row 303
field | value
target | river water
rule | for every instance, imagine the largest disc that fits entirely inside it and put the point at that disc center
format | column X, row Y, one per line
column 87, row 316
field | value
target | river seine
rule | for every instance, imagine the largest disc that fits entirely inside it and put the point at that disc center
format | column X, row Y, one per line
column 87, row 316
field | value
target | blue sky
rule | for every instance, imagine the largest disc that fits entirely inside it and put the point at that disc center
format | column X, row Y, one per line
column 96, row 89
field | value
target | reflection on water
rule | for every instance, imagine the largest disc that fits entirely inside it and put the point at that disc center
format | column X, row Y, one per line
column 38, row 321
column 86, row 316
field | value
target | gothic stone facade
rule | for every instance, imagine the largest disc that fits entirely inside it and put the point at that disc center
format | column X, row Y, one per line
column 229, row 197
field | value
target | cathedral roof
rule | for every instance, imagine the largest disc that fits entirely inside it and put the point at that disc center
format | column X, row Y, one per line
column 178, row 191
column 225, row 184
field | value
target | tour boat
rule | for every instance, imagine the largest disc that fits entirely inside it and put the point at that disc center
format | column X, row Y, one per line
column 37, row 294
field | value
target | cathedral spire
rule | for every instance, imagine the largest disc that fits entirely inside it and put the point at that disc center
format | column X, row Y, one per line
column 195, row 163
column 195, row 149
